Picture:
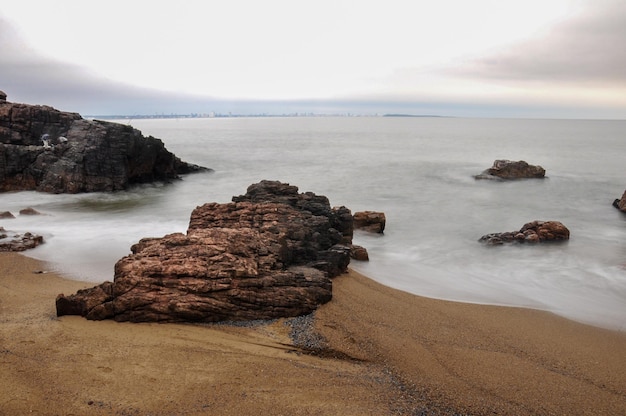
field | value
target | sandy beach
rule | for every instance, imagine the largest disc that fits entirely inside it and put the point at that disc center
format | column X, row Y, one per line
column 385, row 352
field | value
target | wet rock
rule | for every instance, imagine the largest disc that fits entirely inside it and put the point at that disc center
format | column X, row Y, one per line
column 370, row 221
column 29, row 211
column 509, row 170
column 620, row 203
column 6, row 215
column 532, row 232
column 18, row 242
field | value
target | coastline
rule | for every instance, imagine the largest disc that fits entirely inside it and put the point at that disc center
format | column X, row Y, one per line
column 388, row 352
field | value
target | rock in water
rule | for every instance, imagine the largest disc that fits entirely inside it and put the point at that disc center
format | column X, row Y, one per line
column 48, row 150
column 370, row 221
column 270, row 253
column 507, row 169
column 620, row 203
column 532, row 232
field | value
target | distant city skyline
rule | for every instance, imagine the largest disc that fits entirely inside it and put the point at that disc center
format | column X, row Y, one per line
column 485, row 58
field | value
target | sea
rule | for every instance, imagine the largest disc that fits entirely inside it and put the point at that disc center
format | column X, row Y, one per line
column 419, row 171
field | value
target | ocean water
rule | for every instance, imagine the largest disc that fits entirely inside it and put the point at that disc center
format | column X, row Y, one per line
column 419, row 171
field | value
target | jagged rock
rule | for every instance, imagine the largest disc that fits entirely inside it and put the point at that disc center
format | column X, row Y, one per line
column 48, row 150
column 370, row 221
column 507, row 169
column 270, row 253
column 18, row 242
column 3, row 96
column 621, row 203
column 532, row 232
column 6, row 215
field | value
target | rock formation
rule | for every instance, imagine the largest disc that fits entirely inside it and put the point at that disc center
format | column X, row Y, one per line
column 371, row 221
column 621, row 203
column 270, row 253
column 507, row 170
column 532, row 232
column 18, row 242
column 48, row 150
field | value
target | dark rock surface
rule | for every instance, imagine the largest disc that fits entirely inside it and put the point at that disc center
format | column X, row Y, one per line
column 48, row 150
column 270, row 253
column 532, row 232
column 621, row 203
column 509, row 170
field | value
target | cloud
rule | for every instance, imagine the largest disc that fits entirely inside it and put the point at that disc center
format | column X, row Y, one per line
column 586, row 50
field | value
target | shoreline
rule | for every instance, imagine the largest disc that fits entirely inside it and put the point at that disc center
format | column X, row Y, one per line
column 387, row 352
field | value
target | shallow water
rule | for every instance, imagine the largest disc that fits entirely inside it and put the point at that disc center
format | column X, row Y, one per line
column 416, row 170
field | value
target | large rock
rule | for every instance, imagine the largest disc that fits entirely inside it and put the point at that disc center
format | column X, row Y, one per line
column 270, row 253
column 48, row 150
column 507, row 169
column 532, row 232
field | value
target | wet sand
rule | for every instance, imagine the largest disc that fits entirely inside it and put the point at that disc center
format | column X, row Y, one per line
column 386, row 353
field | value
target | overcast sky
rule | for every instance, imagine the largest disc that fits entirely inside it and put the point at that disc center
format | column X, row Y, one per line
column 528, row 58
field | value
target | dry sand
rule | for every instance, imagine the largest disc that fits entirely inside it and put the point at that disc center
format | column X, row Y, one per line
column 387, row 353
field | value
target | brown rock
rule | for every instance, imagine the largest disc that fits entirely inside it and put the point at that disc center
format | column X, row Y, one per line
column 359, row 253
column 507, row 169
column 370, row 221
column 19, row 242
column 29, row 211
column 6, row 215
column 268, row 254
column 532, row 232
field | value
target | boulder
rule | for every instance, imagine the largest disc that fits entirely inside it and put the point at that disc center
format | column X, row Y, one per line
column 621, row 203
column 269, row 253
column 48, row 150
column 6, row 215
column 370, row 221
column 509, row 170
column 532, row 232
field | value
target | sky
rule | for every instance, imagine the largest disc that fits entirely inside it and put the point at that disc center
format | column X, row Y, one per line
column 479, row 58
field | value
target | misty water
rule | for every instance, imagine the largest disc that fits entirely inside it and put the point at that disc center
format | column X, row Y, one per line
column 418, row 171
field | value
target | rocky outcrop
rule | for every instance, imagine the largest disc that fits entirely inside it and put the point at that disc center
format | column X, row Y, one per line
column 370, row 221
column 532, row 232
column 621, row 203
column 509, row 170
column 18, row 242
column 270, row 253
column 48, row 150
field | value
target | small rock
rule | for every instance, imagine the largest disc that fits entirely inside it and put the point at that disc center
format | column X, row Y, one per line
column 532, row 232
column 6, row 215
column 29, row 211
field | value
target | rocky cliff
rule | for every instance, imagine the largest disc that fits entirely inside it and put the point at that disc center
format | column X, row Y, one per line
column 48, row 150
column 270, row 253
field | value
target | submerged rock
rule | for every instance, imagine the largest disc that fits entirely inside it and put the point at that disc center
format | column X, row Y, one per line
column 270, row 253
column 507, row 169
column 532, row 232
column 48, row 150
